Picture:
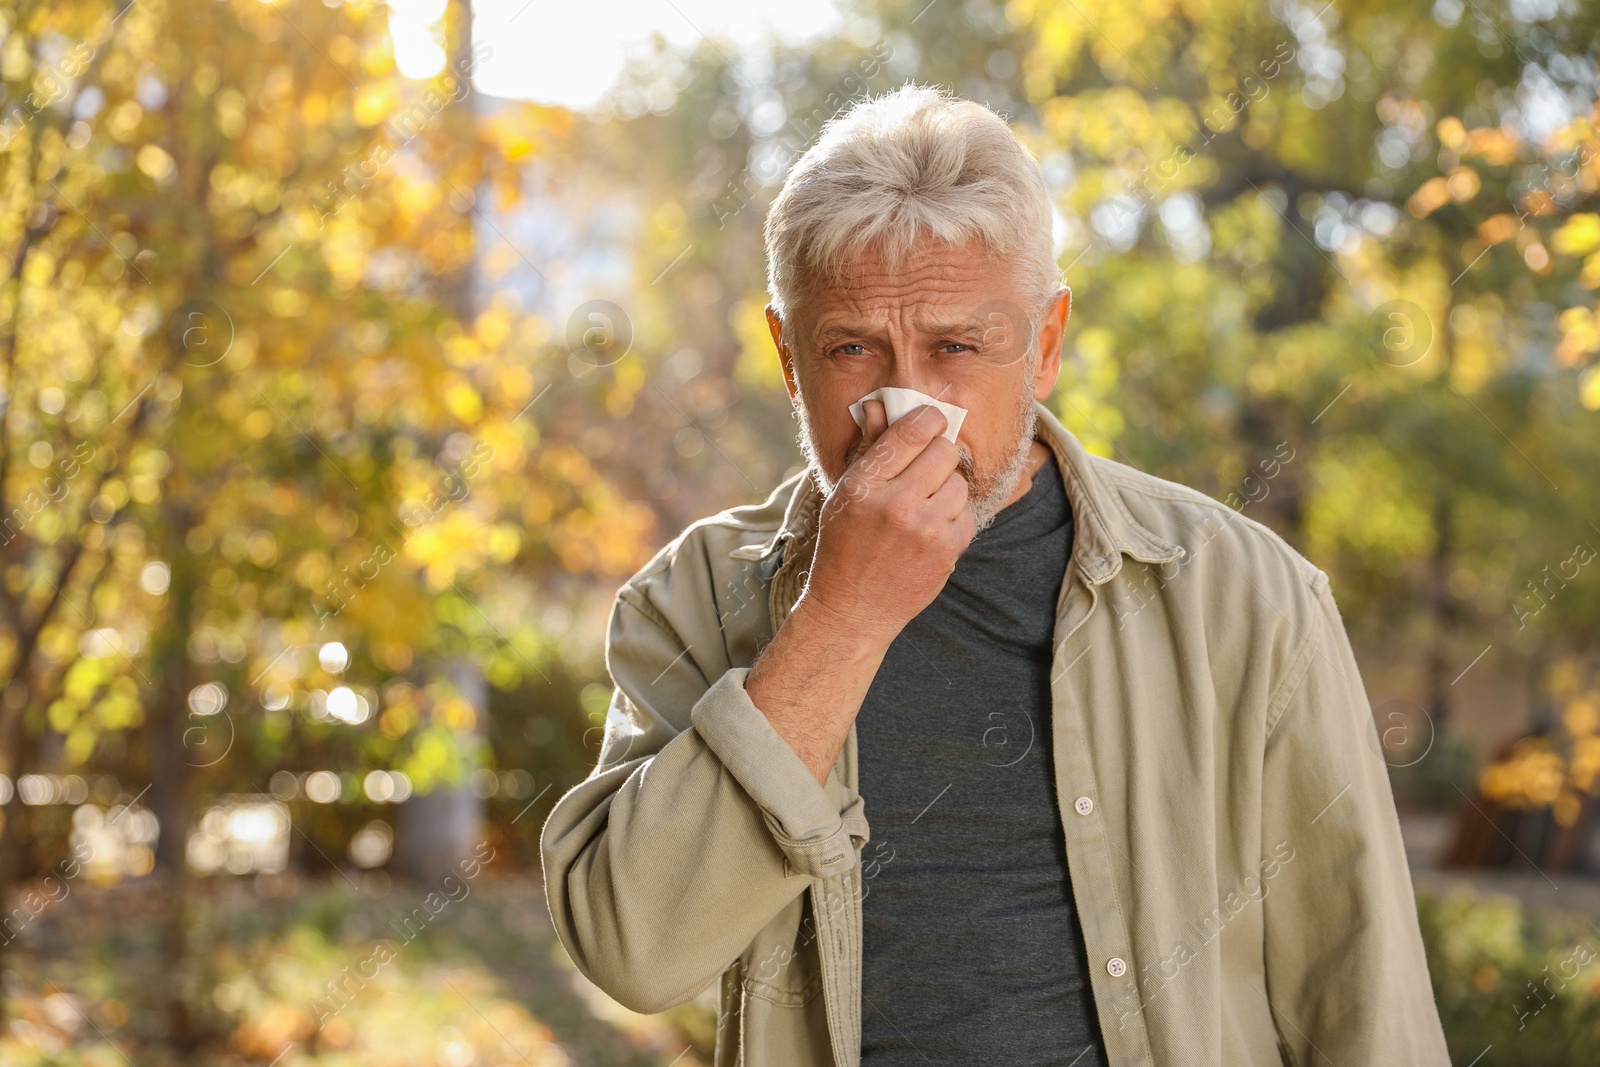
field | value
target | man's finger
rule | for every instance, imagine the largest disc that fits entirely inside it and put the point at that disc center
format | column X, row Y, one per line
column 877, row 420
column 861, row 472
column 903, row 442
column 952, row 497
column 930, row 468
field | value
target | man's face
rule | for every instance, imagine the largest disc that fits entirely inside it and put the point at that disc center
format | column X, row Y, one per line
column 951, row 323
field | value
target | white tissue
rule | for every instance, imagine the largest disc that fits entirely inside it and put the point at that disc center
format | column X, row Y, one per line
column 898, row 403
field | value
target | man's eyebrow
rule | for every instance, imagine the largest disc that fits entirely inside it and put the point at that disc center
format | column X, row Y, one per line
column 959, row 325
column 836, row 331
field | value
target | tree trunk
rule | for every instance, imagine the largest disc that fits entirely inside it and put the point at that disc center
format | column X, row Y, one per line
column 440, row 828
column 1441, row 606
column 175, row 754
column 13, row 831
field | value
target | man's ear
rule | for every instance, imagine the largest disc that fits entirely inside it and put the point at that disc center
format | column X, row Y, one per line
column 785, row 357
column 1052, row 331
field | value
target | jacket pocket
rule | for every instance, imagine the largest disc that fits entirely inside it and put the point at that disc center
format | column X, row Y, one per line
column 782, row 965
column 790, row 1034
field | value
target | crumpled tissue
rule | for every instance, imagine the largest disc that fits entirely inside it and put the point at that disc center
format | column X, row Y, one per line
column 897, row 403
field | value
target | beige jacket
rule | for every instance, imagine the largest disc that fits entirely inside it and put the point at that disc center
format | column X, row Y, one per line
column 1231, row 836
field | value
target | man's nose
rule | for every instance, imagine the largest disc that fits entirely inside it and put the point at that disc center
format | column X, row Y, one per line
column 902, row 376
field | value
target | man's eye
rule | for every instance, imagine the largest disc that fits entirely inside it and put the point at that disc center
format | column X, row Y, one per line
column 844, row 350
column 958, row 344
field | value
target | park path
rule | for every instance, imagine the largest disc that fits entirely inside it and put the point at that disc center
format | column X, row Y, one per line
column 1428, row 834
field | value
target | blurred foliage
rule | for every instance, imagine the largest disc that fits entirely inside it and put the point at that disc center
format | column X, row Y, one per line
column 1559, row 767
column 1333, row 264
column 245, row 419
column 1438, row 779
column 276, row 380
column 296, row 356
column 483, row 982
column 1515, row 985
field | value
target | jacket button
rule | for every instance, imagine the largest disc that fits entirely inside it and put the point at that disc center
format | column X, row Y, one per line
column 1083, row 805
column 1116, row 967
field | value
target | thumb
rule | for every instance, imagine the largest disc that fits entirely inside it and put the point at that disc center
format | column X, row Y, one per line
column 862, row 471
column 877, row 420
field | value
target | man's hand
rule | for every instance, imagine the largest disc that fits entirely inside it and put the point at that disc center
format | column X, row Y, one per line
column 887, row 541
column 892, row 530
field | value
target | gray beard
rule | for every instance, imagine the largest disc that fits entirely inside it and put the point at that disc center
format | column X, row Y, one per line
column 986, row 492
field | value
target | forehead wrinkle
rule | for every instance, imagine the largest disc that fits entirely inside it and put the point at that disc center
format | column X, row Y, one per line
column 923, row 321
column 902, row 289
column 873, row 275
column 866, row 302
column 955, row 324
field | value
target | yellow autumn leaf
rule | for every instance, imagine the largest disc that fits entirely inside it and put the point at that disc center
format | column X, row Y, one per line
column 464, row 402
column 1589, row 388
column 376, row 101
column 155, row 162
column 1579, row 236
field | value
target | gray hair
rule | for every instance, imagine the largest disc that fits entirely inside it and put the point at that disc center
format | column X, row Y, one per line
column 913, row 163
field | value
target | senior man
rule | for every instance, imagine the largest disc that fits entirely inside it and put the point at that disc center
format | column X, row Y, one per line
column 1127, row 801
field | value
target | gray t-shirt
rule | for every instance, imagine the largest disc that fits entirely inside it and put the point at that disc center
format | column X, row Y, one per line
column 973, row 952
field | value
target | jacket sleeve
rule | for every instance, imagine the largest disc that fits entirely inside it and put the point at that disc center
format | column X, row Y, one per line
column 698, row 824
column 1346, row 974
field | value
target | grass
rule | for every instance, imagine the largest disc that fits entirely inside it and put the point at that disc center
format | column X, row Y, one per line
column 289, row 972
column 314, row 973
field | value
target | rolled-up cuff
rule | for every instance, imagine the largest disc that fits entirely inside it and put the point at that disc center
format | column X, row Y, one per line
column 817, row 838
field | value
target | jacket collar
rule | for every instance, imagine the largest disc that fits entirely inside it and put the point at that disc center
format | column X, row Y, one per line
column 1103, row 528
